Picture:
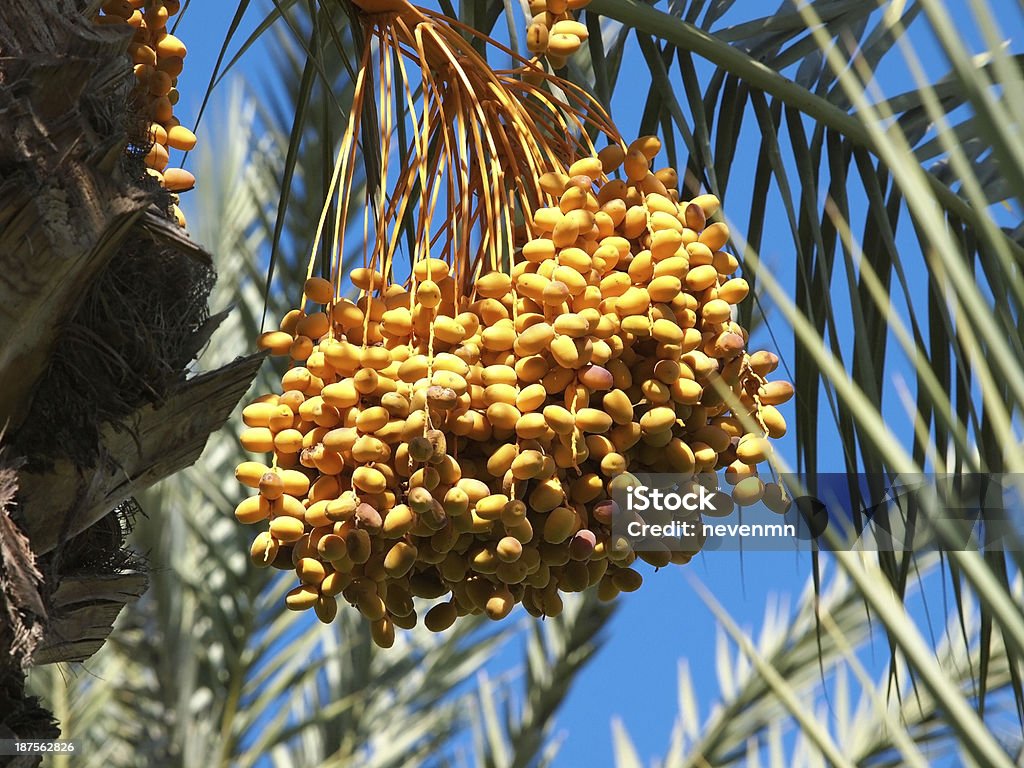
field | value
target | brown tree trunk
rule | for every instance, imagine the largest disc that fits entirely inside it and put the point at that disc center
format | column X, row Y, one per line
column 102, row 309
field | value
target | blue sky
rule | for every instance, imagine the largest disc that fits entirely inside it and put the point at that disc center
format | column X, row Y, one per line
column 635, row 674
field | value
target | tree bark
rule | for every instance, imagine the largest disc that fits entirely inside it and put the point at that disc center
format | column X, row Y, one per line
column 77, row 213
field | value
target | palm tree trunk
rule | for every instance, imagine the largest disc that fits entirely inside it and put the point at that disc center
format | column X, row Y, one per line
column 103, row 306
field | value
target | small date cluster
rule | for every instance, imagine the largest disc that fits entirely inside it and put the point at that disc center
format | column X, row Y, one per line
column 158, row 58
column 554, row 32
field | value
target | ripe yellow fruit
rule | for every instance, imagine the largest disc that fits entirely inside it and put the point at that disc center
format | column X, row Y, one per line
column 494, row 285
column 460, row 436
column 753, row 449
column 667, row 331
column 627, row 580
column 539, row 250
column 734, row 291
column 773, row 421
column 563, row 44
column 310, row 571
column 369, row 480
column 428, row 294
column 168, row 45
column 716, row 311
column 366, row 279
column 593, row 420
column 636, row 164
column 250, row 472
column 565, row 232
column 264, row 550
column 509, row 549
column 288, row 441
column 400, row 559
column 491, row 506
column 142, row 54
column 302, row 598
column 258, row 414
column 664, row 288
column 649, row 146
column 658, row 419
column 701, row 278
column 178, row 179
column 715, row 236
column 748, row 491
column 776, row 392
column 776, row 498
column 318, row 290
column 441, row 617
column 180, row 137
column 257, row 440
column 553, row 183
column 537, row 38
column 559, row 525
column 635, row 301
column 287, row 529
column 332, row 547
column 252, row 510
column 383, row 632
column 295, row 483
column 500, row 604
column 575, row 196
column 326, row 608
column 571, row 27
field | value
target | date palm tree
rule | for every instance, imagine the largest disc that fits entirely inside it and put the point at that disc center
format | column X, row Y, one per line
column 875, row 205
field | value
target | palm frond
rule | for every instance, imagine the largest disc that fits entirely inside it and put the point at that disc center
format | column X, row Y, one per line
column 556, row 652
column 764, row 717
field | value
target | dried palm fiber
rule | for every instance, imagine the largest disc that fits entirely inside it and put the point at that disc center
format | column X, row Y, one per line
column 458, row 434
column 129, row 343
column 158, row 58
